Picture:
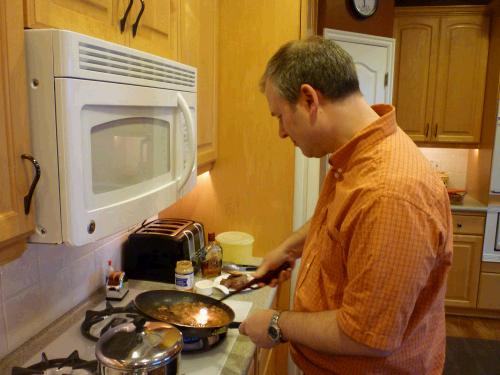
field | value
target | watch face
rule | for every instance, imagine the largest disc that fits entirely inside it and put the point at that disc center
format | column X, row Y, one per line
column 365, row 8
column 273, row 333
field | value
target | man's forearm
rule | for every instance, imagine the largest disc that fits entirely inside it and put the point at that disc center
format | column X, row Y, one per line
column 320, row 331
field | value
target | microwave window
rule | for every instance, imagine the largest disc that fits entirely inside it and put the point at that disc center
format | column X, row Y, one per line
column 129, row 151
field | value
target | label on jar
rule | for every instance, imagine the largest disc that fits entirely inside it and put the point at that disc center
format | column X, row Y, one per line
column 184, row 281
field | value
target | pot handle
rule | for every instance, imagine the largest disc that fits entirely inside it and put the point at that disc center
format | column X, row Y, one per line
column 234, row 325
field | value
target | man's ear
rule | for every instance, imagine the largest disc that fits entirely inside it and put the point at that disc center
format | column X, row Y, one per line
column 309, row 98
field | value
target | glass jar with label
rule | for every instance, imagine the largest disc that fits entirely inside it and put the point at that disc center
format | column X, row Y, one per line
column 184, row 275
column 211, row 263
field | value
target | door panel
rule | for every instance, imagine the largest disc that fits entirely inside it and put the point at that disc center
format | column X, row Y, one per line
column 463, row 278
column 16, row 174
column 371, row 66
column 98, row 18
column 459, row 97
column 416, row 64
column 156, row 31
column 198, row 47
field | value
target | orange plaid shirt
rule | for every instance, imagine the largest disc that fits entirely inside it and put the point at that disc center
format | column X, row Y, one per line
column 378, row 252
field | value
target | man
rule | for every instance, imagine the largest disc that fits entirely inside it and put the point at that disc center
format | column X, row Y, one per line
column 370, row 292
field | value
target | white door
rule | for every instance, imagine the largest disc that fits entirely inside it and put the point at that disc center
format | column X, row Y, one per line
column 374, row 60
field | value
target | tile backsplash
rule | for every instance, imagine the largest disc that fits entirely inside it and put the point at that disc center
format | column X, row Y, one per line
column 450, row 160
column 47, row 281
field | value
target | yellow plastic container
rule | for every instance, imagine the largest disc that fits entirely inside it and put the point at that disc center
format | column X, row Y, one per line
column 236, row 247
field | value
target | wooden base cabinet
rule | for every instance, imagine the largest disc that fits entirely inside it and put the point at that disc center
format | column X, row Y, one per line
column 440, row 73
column 463, row 278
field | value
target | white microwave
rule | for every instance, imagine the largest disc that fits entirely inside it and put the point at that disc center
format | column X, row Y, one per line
column 113, row 130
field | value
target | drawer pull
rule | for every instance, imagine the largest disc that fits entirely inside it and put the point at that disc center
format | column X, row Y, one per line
column 27, row 198
column 459, row 225
column 125, row 16
column 136, row 23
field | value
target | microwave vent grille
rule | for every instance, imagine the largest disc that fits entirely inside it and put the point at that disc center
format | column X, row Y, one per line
column 165, row 227
column 105, row 60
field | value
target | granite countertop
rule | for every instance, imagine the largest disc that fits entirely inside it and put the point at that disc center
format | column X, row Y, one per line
column 469, row 204
column 237, row 362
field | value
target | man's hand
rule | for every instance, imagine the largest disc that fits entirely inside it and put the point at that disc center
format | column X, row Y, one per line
column 255, row 327
column 288, row 251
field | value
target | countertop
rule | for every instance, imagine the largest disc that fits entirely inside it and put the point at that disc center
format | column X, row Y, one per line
column 237, row 362
column 469, row 204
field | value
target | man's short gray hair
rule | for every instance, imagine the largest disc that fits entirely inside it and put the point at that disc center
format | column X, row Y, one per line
column 319, row 62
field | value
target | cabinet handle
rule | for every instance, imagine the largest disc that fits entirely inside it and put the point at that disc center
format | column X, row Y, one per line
column 436, row 130
column 459, row 225
column 426, row 130
column 136, row 24
column 27, row 198
column 125, row 16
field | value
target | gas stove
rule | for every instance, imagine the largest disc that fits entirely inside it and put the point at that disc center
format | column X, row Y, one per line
column 97, row 322
column 200, row 357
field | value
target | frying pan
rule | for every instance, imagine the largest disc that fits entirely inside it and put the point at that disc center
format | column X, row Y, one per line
column 149, row 302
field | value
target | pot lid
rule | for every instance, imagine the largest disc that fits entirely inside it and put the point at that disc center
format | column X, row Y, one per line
column 139, row 345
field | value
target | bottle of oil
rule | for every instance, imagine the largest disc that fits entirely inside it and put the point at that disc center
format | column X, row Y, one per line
column 211, row 263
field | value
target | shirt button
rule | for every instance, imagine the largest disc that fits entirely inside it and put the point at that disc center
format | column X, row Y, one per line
column 339, row 170
column 336, row 175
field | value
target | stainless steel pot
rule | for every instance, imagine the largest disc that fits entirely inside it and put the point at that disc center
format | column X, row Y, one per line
column 140, row 348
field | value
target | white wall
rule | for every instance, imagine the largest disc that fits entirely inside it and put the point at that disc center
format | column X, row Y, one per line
column 451, row 160
column 46, row 282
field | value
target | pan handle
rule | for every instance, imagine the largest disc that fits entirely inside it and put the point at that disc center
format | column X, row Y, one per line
column 234, row 325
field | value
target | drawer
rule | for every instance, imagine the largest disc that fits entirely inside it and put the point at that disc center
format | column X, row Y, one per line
column 489, row 291
column 468, row 224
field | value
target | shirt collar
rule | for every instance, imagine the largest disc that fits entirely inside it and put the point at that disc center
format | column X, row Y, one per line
column 381, row 128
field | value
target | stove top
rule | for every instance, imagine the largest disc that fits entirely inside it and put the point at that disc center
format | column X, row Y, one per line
column 194, row 362
column 97, row 322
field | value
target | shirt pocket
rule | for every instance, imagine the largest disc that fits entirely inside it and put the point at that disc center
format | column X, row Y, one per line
column 321, row 287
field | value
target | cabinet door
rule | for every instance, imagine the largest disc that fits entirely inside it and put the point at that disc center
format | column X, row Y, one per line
column 463, row 56
column 156, row 28
column 489, row 295
column 198, row 47
column 98, row 18
column 463, row 278
column 416, row 65
column 14, row 136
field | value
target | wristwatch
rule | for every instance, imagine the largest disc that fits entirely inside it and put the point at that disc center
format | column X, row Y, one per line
column 274, row 331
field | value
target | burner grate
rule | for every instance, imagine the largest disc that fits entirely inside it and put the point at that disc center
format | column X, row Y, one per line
column 73, row 362
column 97, row 323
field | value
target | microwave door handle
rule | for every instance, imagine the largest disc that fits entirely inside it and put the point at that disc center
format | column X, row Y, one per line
column 190, row 133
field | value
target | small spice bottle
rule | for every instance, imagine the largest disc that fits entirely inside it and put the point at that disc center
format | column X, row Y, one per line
column 184, row 275
column 211, row 264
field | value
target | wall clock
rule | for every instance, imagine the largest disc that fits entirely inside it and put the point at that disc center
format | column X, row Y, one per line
column 364, row 8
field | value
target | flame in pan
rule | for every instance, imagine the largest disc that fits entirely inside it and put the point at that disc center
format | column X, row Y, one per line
column 202, row 317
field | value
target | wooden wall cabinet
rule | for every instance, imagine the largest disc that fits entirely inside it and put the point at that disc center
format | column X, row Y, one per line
column 441, row 61
column 463, row 278
column 198, row 47
column 16, row 174
column 156, row 30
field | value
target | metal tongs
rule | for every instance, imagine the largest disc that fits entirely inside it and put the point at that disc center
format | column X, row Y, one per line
column 265, row 279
